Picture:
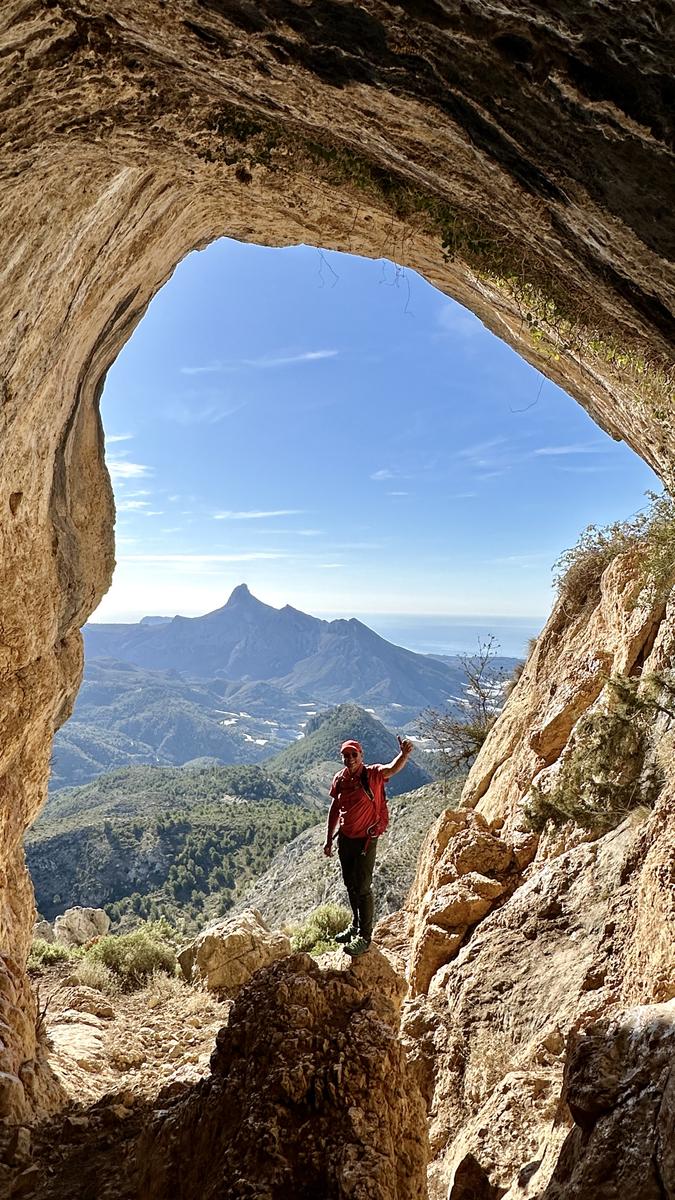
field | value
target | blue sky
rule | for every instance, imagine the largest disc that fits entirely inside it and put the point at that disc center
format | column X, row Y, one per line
column 344, row 438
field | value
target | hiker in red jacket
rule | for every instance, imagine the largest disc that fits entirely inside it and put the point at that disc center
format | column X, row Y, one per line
column 358, row 813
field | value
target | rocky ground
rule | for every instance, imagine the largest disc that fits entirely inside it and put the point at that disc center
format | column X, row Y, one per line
column 119, row 1058
column 305, row 1039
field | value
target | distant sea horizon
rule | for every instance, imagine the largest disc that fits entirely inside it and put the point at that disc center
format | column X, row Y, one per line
column 443, row 634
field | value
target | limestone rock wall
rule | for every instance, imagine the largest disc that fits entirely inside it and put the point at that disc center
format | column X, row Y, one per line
column 541, row 1029
column 625, row 631
column 518, row 158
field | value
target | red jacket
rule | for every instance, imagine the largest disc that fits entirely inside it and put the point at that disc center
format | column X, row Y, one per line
column 360, row 816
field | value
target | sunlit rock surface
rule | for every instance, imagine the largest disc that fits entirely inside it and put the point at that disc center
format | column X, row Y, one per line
column 225, row 954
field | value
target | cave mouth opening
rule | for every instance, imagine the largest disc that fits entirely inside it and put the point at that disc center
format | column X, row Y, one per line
column 144, row 226
column 291, row 416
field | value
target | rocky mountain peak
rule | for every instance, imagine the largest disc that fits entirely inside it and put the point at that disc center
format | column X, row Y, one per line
column 241, row 595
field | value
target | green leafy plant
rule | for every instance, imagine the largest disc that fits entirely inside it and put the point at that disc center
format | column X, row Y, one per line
column 607, row 772
column 318, row 933
column 134, row 957
column 45, row 954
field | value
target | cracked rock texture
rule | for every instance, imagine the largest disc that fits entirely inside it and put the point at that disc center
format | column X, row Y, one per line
column 225, row 954
column 520, row 157
column 311, row 1095
column 559, row 994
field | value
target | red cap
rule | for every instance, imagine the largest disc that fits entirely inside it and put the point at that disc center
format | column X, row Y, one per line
column 351, row 746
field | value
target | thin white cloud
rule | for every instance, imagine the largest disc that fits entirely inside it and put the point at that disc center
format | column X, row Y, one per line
column 398, row 493
column 196, row 559
column 131, row 505
column 291, row 359
column 381, row 475
column 519, row 560
column 192, row 412
column 207, row 369
column 120, row 469
column 329, row 566
column 256, row 515
column 283, row 530
column 477, row 452
column 260, row 364
column 119, row 437
column 596, row 469
column 576, row 448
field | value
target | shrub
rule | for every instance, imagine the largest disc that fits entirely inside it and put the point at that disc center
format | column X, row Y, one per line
column 45, row 954
column 605, row 774
column 651, row 534
column 164, row 986
column 459, row 732
column 94, row 974
column 318, row 933
column 134, row 957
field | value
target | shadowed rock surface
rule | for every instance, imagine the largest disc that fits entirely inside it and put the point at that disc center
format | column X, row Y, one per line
column 329, row 1105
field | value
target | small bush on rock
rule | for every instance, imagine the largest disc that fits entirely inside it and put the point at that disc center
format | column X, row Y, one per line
column 91, row 973
column 134, row 957
column 318, row 933
column 45, row 954
column 607, row 772
column 651, row 534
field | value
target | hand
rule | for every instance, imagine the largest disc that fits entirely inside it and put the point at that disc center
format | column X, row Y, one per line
column 328, row 848
column 406, row 747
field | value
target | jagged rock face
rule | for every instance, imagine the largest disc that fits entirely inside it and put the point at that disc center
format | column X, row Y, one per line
column 464, row 869
column 310, row 1096
column 533, row 146
column 584, row 927
column 620, row 1088
column 490, row 1040
column 624, row 630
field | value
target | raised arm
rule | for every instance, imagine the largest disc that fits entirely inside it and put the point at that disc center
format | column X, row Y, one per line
column 396, row 764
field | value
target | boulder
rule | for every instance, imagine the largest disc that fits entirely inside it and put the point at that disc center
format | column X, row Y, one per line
column 620, row 1089
column 43, row 930
column 227, row 953
column 79, row 925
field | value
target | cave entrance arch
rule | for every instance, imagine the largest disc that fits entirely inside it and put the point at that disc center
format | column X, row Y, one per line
column 522, row 170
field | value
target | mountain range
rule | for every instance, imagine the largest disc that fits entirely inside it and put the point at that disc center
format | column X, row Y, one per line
column 246, row 640
column 236, row 685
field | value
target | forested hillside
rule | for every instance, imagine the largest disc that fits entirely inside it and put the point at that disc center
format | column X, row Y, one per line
column 150, row 842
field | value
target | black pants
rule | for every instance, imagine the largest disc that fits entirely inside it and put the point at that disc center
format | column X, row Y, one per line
column 357, row 872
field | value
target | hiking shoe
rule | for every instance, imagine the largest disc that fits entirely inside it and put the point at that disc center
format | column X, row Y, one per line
column 346, row 935
column 357, row 947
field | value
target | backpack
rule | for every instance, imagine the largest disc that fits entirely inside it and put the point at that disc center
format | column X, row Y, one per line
column 381, row 821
